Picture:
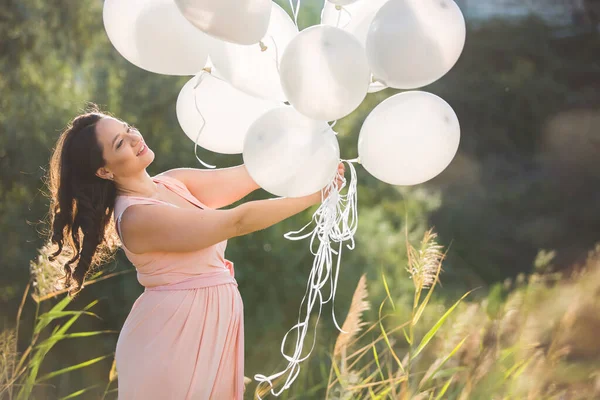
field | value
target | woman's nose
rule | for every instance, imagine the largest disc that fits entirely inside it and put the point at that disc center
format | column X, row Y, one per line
column 135, row 138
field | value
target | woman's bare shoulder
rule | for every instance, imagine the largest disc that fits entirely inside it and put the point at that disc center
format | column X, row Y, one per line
column 176, row 176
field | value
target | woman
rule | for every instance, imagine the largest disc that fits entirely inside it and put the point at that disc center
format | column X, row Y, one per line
column 183, row 338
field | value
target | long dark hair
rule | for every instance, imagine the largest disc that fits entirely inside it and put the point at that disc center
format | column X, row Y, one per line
column 81, row 203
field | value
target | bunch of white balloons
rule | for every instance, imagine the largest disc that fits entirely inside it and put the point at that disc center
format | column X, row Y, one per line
column 263, row 89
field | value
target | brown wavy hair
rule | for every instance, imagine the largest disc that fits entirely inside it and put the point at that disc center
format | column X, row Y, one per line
column 81, row 203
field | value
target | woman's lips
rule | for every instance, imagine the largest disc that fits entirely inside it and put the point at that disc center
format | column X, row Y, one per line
column 144, row 150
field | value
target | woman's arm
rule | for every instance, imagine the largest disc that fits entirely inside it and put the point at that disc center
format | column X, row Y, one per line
column 216, row 188
column 150, row 228
column 146, row 228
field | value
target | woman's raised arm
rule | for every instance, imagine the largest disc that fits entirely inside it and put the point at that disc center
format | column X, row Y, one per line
column 149, row 228
column 216, row 187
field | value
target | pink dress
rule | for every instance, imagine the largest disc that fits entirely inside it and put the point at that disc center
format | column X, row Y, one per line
column 184, row 335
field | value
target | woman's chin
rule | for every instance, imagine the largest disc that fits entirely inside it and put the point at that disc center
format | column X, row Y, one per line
column 147, row 158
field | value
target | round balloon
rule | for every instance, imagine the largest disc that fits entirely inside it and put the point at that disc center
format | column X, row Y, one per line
column 235, row 21
column 412, row 43
column 291, row 155
column 354, row 18
column 153, row 35
column 254, row 69
column 324, row 73
column 216, row 115
column 409, row 138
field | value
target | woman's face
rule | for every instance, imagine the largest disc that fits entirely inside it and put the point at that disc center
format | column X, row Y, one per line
column 123, row 148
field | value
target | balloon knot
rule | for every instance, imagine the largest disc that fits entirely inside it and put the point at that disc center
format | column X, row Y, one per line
column 207, row 69
column 338, row 7
column 262, row 46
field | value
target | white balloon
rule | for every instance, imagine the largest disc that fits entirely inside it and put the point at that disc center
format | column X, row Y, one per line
column 153, row 35
column 218, row 112
column 254, row 69
column 412, row 43
column 324, row 73
column 235, row 21
column 354, row 18
column 291, row 155
column 409, row 138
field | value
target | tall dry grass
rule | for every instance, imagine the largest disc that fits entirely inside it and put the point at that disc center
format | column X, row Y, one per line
column 535, row 338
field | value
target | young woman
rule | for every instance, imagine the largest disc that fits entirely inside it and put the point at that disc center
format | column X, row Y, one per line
column 184, row 336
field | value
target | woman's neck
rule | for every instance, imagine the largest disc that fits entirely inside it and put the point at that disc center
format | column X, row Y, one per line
column 139, row 186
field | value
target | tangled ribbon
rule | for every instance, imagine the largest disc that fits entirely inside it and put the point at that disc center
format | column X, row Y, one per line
column 335, row 221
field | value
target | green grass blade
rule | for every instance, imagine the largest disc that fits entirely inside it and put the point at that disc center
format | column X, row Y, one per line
column 514, row 368
column 72, row 368
column 444, row 389
column 75, row 317
column 338, row 374
column 437, row 326
column 386, row 339
column 78, row 393
column 435, row 371
column 422, row 306
column 508, row 352
column 42, row 322
column 375, row 355
column 387, row 290
column 445, row 373
column 52, row 315
column 521, row 369
column 79, row 335
column 46, row 346
column 373, row 394
column 57, row 312
column 406, row 337
column 55, row 338
column 383, row 392
column 92, row 304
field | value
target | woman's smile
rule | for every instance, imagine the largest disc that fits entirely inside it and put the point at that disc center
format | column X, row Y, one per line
column 143, row 150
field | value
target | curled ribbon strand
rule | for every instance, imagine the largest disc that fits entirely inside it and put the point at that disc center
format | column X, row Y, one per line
column 335, row 221
column 200, row 78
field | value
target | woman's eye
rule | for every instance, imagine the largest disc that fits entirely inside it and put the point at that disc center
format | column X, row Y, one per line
column 120, row 143
column 128, row 129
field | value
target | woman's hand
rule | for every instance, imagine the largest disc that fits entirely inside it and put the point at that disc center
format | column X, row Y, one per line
column 339, row 181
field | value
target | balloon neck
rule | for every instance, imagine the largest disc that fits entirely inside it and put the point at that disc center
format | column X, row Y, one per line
column 356, row 160
column 377, row 80
column 262, row 46
column 207, row 69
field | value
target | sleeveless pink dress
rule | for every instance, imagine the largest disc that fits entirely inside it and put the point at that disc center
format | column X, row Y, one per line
column 184, row 335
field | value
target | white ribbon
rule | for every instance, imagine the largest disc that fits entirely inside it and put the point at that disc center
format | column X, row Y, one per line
column 204, row 72
column 336, row 222
column 295, row 10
